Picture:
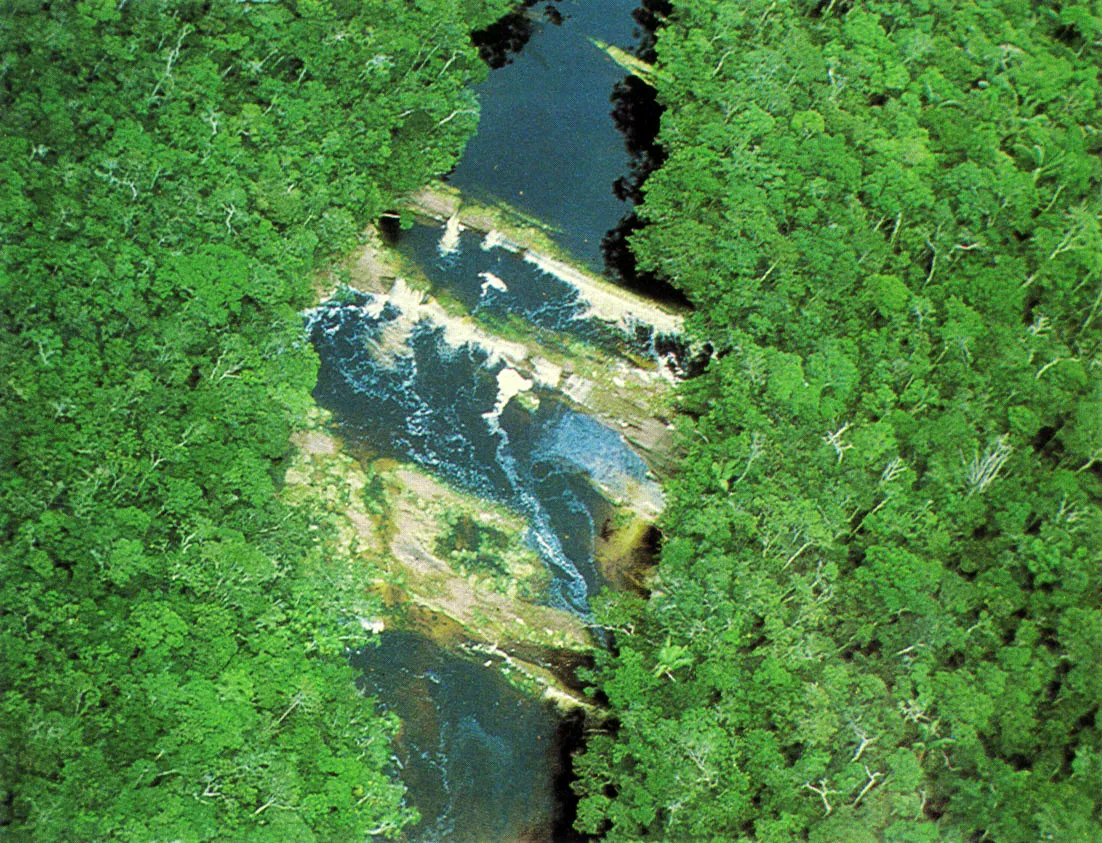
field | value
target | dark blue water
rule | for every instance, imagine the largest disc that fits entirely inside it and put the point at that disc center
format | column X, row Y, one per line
column 549, row 305
column 474, row 751
column 546, row 142
column 432, row 403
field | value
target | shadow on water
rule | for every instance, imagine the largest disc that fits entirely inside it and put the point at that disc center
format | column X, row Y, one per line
column 637, row 114
column 500, row 42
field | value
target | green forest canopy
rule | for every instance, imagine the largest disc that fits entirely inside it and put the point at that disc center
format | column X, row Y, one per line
column 171, row 645
column 877, row 613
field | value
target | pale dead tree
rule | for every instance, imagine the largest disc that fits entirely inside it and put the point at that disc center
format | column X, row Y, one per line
column 1096, row 455
column 674, row 808
column 933, row 266
column 185, row 543
column 1093, row 312
column 1077, row 234
column 981, row 471
column 455, row 114
column 770, row 534
column 385, row 828
column 865, row 742
column 213, row 119
column 256, row 66
column 835, row 441
column 1052, row 363
column 913, row 648
column 827, row 586
column 379, row 61
column 173, row 56
column 44, row 350
column 113, row 180
column 913, row 712
column 269, row 804
column 796, row 555
column 1040, row 326
column 700, row 759
column 757, row 448
column 922, row 309
column 231, row 212
column 1082, row 225
column 894, row 468
column 823, row 792
column 753, row 364
column 868, row 514
column 895, row 230
column 212, row 788
column 869, row 785
column 298, row 699
column 922, row 805
column 722, row 59
column 231, row 370
column 185, row 437
column 448, row 64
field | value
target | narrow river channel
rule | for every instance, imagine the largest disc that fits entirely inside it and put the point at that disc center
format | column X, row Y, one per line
column 481, row 758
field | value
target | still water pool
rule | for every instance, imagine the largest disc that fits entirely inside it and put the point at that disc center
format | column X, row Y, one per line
column 546, row 142
column 478, row 756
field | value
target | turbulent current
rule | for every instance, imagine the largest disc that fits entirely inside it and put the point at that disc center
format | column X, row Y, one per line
column 400, row 384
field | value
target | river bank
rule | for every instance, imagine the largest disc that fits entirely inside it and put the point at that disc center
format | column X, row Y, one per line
column 391, row 529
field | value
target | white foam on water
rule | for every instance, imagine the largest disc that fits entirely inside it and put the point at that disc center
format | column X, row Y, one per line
column 510, row 383
column 415, row 306
column 492, row 282
column 449, row 241
column 606, row 302
column 574, row 594
column 603, row 455
column 493, row 240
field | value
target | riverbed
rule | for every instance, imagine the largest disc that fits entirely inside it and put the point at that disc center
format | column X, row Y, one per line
column 435, row 377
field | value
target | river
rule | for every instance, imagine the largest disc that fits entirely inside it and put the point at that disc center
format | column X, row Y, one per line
column 546, row 142
column 481, row 759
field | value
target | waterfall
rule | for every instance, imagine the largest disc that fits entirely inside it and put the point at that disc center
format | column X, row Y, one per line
column 569, row 591
column 423, row 386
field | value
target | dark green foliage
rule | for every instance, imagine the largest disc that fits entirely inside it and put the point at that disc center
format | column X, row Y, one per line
column 878, row 614
column 170, row 173
column 473, row 545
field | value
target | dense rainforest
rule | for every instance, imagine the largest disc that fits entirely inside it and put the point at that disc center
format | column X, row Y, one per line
column 877, row 611
column 171, row 642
